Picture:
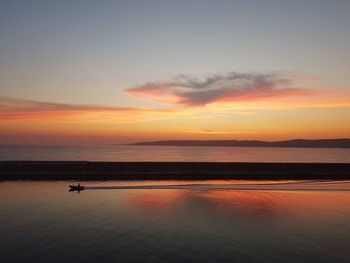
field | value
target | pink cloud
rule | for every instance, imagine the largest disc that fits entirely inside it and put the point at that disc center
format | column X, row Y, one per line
column 233, row 86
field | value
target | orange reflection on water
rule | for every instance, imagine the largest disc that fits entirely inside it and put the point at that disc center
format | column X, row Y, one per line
column 305, row 204
column 298, row 203
column 155, row 199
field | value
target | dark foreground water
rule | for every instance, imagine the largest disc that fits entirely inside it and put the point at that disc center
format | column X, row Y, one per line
column 222, row 221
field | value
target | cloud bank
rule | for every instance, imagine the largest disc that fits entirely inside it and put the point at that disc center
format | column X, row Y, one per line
column 233, row 86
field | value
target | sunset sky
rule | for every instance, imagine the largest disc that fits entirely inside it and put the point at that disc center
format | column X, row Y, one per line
column 96, row 72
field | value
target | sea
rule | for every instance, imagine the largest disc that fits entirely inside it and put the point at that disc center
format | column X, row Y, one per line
column 175, row 221
column 174, row 154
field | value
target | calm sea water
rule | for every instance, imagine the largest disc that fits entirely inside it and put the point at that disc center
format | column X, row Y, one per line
column 242, row 222
column 166, row 153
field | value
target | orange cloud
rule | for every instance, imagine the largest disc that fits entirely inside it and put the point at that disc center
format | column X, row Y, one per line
column 15, row 109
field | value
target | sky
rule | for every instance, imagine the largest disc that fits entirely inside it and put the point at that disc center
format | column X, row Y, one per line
column 101, row 72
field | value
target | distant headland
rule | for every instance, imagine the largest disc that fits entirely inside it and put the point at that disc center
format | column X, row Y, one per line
column 303, row 143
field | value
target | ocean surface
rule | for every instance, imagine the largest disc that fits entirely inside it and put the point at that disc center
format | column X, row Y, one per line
column 174, row 221
column 173, row 153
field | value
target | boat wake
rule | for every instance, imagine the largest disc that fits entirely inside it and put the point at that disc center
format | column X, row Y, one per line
column 285, row 186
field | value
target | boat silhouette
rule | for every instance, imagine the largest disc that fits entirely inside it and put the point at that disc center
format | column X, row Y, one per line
column 77, row 187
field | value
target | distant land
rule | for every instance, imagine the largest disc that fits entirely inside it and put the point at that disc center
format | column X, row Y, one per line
column 303, row 143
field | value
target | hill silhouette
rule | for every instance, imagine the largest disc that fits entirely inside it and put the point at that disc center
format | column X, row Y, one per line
column 304, row 143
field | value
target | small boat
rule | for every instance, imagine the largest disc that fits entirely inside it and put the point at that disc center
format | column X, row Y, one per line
column 76, row 187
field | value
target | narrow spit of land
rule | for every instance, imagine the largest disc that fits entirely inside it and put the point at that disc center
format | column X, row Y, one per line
column 77, row 170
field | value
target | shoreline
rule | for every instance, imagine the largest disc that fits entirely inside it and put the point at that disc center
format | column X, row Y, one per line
column 95, row 171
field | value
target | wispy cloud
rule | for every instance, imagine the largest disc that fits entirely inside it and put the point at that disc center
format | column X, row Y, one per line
column 210, row 131
column 15, row 109
column 245, row 112
column 216, row 132
column 233, row 86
